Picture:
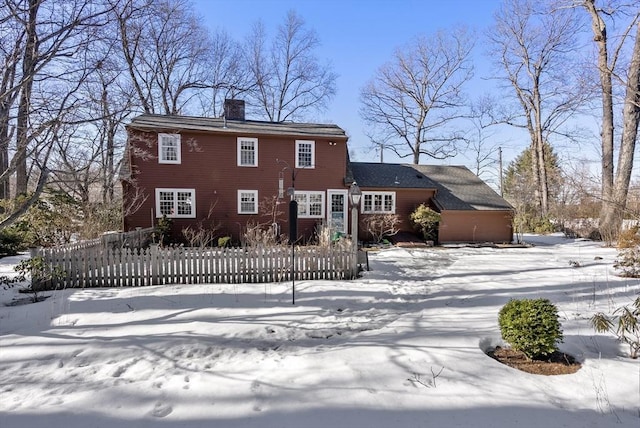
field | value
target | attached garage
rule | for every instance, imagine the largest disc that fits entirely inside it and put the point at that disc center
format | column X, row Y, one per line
column 471, row 211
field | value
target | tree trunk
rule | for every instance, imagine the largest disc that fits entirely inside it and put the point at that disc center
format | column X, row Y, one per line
column 4, row 153
column 416, row 153
column 614, row 193
column 44, row 174
column 614, row 213
column 599, row 29
column 538, row 153
column 24, row 106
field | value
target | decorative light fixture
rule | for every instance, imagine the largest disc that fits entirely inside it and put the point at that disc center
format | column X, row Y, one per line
column 354, row 197
column 355, row 194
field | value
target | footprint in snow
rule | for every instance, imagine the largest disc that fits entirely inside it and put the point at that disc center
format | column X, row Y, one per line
column 161, row 410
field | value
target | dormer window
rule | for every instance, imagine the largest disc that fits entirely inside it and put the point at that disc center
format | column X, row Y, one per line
column 169, row 148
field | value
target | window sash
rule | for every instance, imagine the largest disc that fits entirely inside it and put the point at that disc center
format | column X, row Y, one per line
column 247, row 151
column 247, row 202
column 169, row 148
column 310, row 204
column 175, row 203
column 305, row 154
column 378, row 202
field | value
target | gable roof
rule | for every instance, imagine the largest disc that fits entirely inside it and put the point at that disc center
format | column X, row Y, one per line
column 457, row 188
column 461, row 189
column 389, row 175
column 208, row 124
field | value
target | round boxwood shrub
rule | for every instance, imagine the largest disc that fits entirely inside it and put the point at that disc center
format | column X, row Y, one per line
column 531, row 326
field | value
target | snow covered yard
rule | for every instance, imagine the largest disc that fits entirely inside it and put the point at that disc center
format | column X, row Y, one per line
column 403, row 346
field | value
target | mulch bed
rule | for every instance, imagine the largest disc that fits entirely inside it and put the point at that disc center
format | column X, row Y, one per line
column 557, row 363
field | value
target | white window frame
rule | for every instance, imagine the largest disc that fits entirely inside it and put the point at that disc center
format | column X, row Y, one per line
column 255, row 151
column 161, row 145
column 371, row 196
column 191, row 202
column 313, row 153
column 304, row 203
column 255, row 201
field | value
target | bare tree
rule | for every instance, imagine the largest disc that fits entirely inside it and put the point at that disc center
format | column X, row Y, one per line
column 11, row 46
column 166, row 50
column 411, row 101
column 289, row 82
column 531, row 45
column 45, row 56
column 227, row 77
column 610, row 54
column 483, row 146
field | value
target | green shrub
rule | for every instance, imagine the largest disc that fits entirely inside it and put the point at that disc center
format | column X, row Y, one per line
column 51, row 220
column 40, row 273
column 11, row 241
column 163, row 230
column 530, row 223
column 531, row 326
column 425, row 221
column 624, row 323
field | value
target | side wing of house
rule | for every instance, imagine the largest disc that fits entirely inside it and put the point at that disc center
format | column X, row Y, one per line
column 226, row 175
column 470, row 210
column 390, row 189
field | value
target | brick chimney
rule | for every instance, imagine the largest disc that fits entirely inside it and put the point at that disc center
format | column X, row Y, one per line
column 234, row 109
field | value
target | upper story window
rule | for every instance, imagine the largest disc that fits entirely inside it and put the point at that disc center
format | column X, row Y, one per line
column 176, row 203
column 378, row 202
column 247, row 202
column 247, row 151
column 305, row 154
column 310, row 204
column 169, row 148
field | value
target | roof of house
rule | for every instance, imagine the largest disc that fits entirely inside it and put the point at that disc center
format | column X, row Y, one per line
column 461, row 189
column 389, row 175
column 221, row 125
column 457, row 188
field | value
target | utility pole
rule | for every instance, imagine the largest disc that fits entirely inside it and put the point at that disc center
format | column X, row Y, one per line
column 500, row 166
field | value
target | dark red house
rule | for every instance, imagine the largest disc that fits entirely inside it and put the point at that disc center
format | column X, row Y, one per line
column 230, row 172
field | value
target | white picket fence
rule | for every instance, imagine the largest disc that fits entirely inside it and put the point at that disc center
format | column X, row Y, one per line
column 100, row 266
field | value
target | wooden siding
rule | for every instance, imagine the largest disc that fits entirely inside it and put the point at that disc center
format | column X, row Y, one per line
column 476, row 226
column 209, row 165
column 455, row 226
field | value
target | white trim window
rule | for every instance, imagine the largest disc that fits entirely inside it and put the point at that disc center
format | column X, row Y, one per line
column 379, row 202
column 247, row 151
column 247, row 202
column 176, row 203
column 169, row 148
column 305, row 154
column 310, row 204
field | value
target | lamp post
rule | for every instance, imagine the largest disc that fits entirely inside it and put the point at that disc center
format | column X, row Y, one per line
column 293, row 221
column 354, row 197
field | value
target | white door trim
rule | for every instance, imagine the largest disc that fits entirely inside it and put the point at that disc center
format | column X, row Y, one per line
column 329, row 210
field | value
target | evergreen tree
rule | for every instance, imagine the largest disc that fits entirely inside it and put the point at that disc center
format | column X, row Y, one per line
column 519, row 188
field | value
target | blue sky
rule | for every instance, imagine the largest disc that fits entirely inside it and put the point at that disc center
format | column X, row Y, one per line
column 357, row 37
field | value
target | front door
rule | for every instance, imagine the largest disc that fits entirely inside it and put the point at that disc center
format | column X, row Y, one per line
column 337, row 210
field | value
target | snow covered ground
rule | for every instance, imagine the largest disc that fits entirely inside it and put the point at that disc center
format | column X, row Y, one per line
column 400, row 347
